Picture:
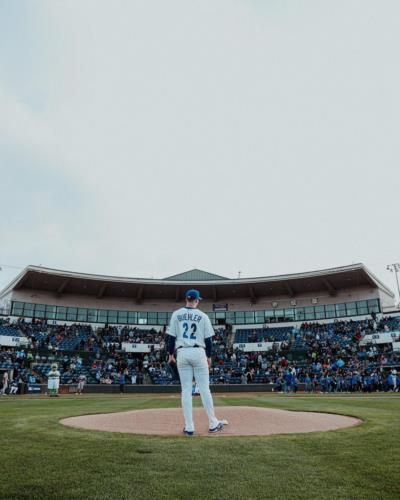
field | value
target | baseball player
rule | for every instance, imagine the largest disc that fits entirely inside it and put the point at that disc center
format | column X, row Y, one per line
column 190, row 333
column 81, row 384
column 5, row 383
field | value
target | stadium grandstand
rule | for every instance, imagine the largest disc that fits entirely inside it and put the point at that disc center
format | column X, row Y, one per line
column 328, row 330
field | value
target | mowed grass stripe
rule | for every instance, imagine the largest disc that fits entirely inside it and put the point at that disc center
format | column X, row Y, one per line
column 43, row 459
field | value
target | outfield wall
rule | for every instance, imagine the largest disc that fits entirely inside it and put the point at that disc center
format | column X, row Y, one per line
column 160, row 389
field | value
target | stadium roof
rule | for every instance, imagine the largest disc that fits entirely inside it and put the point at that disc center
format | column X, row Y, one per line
column 195, row 275
column 212, row 287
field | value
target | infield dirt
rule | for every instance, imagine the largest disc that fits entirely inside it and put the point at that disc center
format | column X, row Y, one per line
column 243, row 421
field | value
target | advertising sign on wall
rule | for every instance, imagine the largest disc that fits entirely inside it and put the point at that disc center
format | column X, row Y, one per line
column 7, row 340
column 380, row 338
column 256, row 346
column 140, row 348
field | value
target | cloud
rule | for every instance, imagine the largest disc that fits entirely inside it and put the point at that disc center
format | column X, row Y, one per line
column 221, row 135
column 21, row 127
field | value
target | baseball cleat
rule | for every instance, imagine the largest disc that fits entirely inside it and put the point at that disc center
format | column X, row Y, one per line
column 218, row 428
column 188, row 433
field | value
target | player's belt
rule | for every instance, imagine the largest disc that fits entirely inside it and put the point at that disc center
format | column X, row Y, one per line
column 186, row 346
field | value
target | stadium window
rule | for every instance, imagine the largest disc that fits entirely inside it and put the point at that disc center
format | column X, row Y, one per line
column 17, row 308
column 319, row 312
column 289, row 314
column 351, row 309
column 373, row 306
column 82, row 314
column 340, row 310
column 309, row 313
column 330, row 311
column 28, row 310
column 162, row 318
column 269, row 316
column 211, row 315
column 102, row 316
column 71, row 313
column 51, row 312
column 61, row 313
column 300, row 314
column 249, row 317
column 152, row 318
column 123, row 317
column 279, row 315
column 362, row 307
column 142, row 318
column 132, row 318
column 92, row 315
column 230, row 317
column 239, row 318
column 112, row 316
column 220, row 318
column 40, row 310
column 259, row 316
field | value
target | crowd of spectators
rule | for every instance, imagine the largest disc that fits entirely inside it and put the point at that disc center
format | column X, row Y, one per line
column 43, row 335
column 21, row 361
column 331, row 358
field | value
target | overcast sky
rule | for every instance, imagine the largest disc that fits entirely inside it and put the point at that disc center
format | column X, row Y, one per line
column 146, row 138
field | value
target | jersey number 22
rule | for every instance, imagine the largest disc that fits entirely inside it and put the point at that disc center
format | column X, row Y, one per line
column 193, row 328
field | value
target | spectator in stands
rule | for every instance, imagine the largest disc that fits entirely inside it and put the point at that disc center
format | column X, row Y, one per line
column 307, row 382
column 278, row 387
column 288, row 381
column 295, row 383
column 121, row 379
column 140, row 378
column 314, row 383
column 106, row 379
column 21, row 385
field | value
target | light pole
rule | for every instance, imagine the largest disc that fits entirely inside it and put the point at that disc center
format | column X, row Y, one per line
column 395, row 268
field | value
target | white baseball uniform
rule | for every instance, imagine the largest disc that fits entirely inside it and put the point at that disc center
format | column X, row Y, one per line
column 191, row 327
column 53, row 380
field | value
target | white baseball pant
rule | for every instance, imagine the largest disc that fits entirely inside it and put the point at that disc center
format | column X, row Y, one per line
column 192, row 363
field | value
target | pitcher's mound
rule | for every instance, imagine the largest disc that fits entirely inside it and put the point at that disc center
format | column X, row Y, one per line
column 243, row 421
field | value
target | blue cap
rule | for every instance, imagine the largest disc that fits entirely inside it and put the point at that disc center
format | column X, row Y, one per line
column 193, row 294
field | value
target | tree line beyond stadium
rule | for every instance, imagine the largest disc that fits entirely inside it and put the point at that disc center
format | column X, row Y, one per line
column 82, row 315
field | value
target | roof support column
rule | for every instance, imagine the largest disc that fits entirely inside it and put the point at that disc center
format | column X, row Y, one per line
column 62, row 287
column 253, row 296
column 140, row 294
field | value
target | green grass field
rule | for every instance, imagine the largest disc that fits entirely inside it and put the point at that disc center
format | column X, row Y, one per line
column 42, row 459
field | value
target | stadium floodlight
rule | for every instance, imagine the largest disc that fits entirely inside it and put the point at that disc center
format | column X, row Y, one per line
column 395, row 268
